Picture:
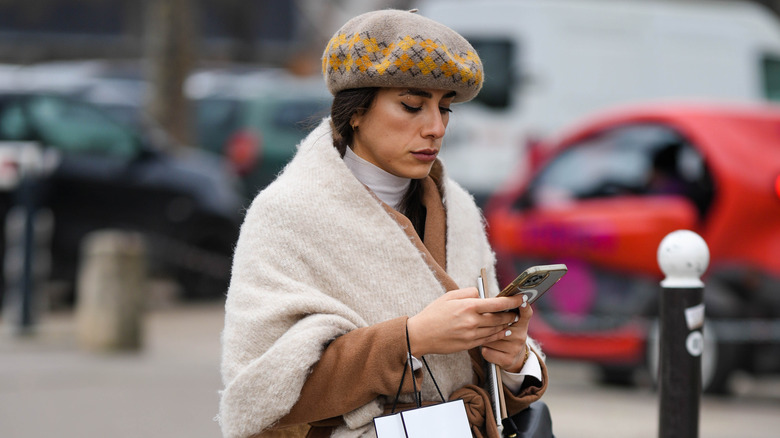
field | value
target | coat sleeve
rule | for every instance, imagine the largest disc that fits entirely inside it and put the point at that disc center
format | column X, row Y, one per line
column 531, row 391
column 354, row 369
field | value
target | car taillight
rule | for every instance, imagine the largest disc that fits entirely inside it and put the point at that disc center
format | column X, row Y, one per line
column 9, row 173
column 244, row 150
column 9, row 166
column 777, row 186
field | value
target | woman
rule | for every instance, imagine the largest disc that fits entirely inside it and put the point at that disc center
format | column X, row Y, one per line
column 354, row 246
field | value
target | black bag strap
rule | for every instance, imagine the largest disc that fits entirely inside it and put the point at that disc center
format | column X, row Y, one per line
column 434, row 380
column 417, row 394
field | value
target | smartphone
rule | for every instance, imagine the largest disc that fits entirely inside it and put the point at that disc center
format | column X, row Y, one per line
column 535, row 281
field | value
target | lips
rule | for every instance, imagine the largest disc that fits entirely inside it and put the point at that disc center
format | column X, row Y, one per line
column 426, row 154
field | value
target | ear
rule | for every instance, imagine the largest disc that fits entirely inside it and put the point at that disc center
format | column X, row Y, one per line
column 354, row 121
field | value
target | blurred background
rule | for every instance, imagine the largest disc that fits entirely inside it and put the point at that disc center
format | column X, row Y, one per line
column 134, row 135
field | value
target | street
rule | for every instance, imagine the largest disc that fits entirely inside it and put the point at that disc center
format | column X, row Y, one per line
column 48, row 387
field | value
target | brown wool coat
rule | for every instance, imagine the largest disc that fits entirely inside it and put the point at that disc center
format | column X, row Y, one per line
column 314, row 327
column 331, row 385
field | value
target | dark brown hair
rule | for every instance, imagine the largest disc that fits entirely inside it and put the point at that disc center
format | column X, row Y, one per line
column 347, row 103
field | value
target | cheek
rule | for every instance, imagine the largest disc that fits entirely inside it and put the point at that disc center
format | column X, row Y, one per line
column 389, row 146
column 387, row 134
column 395, row 121
column 378, row 141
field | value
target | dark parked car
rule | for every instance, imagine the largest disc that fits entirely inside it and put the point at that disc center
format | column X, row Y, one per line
column 101, row 174
column 253, row 116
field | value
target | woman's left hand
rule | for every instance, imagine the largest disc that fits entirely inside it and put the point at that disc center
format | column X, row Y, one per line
column 509, row 352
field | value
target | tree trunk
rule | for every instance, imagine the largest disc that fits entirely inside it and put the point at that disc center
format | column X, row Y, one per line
column 169, row 57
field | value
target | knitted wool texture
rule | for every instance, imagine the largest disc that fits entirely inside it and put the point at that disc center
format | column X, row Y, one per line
column 392, row 48
column 317, row 257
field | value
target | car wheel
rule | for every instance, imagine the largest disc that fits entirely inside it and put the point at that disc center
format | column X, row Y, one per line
column 196, row 285
column 206, row 274
column 616, row 375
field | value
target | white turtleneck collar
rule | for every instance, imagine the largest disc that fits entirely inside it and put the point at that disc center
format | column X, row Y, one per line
column 386, row 186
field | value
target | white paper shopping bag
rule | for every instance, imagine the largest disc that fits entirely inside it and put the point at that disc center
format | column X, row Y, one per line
column 446, row 419
column 442, row 420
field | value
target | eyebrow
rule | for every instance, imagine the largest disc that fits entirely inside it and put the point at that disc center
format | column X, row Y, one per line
column 423, row 93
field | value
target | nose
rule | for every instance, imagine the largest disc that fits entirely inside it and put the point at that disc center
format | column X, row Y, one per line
column 435, row 125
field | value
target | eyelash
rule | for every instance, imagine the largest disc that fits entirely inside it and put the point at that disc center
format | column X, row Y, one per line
column 414, row 109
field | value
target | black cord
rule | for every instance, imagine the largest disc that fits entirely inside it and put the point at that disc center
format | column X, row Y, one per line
column 417, row 394
column 434, row 380
column 397, row 394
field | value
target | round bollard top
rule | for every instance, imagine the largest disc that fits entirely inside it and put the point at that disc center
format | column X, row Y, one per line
column 683, row 256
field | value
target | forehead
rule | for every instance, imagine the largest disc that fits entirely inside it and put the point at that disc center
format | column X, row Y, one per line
column 428, row 93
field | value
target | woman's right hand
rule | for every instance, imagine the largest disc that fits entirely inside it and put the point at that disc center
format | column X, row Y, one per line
column 459, row 320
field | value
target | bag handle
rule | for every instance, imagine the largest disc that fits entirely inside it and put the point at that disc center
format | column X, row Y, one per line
column 417, row 394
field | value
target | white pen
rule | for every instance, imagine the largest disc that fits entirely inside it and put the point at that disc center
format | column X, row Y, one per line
column 493, row 376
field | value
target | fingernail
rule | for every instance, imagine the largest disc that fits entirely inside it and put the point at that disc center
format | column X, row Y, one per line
column 508, row 333
column 525, row 298
column 524, row 304
column 517, row 318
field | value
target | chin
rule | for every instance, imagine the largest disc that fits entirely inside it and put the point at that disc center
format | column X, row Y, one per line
column 420, row 172
column 418, row 175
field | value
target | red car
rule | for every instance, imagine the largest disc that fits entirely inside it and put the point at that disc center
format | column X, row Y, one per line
column 609, row 192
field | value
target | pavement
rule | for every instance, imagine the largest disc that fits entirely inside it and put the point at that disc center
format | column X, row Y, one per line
column 49, row 386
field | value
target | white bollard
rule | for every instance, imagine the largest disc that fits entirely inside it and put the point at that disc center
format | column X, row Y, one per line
column 111, row 291
column 683, row 257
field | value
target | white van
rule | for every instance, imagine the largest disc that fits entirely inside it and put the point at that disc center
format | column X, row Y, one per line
column 550, row 62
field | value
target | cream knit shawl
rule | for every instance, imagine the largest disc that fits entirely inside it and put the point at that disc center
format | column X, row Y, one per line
column 318, row 256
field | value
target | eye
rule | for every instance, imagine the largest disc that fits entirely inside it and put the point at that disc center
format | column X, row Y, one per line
column 445, row 109
column 411, row 109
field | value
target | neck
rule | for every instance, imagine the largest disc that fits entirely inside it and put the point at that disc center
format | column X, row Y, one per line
column 386, row 186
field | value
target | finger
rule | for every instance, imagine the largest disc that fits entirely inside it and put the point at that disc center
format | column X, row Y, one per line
column 508, row 352
column 514, row 337
column 526, row 312
column 493, row 348
column 505, row 336
column 500, row 319
column 459, row 294
column 487, row 335
column 510, row 344
column 498, row 357
column 499, row 304
column 490, row 352
column 525, row 301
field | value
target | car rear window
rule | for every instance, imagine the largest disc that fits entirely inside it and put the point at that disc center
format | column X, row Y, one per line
column 639, row 159
column 771, row 77
column 74, row 127
column 498, row 58
column 297, row 115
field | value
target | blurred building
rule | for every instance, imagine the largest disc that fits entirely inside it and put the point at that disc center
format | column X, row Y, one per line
column 265, row 31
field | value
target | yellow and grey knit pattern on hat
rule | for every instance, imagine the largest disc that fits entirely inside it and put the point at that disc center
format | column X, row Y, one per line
column 401, row 49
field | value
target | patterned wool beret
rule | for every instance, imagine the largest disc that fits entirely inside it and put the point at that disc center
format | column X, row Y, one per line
column 392, row 48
